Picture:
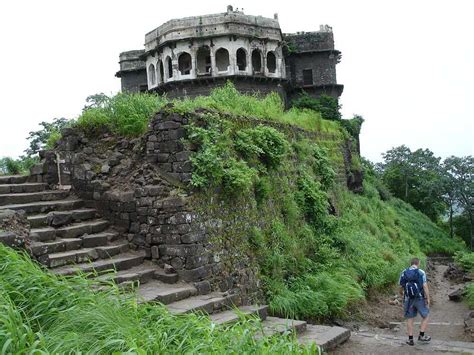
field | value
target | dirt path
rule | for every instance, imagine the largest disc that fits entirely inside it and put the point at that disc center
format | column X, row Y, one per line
column 446, row 325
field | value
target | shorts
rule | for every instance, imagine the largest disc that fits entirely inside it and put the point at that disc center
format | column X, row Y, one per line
column 411, row 308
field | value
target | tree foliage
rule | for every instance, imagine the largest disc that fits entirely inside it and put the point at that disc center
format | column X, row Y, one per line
column 39, row 139
column 459, row 172
column 435, row 187
column 415, row 177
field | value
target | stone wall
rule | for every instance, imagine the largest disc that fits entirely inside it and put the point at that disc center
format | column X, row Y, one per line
column 203, row 87
column 141, row 186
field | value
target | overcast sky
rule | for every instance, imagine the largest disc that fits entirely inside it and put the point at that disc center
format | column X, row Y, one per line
column 407, row 65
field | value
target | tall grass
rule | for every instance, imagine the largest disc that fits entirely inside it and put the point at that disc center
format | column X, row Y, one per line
column 43, row 313
column 128, row 114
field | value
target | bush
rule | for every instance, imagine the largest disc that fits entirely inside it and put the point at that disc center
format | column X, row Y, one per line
column 328, row 106
column 470, row 295
column 262, row 142
column 22, row 165
column 465, row 260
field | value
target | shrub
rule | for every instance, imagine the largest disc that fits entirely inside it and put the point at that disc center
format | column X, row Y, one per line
column 22, row 165
column 465, row 260
column 262, row 142
column 312, row 201
column 470, row 295
column 328, row 106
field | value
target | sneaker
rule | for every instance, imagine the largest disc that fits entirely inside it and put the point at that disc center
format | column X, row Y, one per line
column 425, row 338
column 410, row 342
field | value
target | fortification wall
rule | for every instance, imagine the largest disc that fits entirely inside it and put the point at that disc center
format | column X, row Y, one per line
column 141, row 186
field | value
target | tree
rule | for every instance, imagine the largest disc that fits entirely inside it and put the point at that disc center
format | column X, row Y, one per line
column 99, row 100
column 39, row 139
column 415, row 177
column 460, row 170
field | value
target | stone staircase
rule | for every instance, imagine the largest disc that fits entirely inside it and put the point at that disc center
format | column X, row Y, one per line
column 69, row 237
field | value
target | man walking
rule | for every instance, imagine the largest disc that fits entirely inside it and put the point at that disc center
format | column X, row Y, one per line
column 416, row 299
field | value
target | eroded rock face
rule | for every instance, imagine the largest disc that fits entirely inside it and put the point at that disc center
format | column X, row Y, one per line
column 14, row 228
column 454, row 273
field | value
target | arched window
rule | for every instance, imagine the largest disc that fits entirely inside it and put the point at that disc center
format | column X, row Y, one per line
column 204, row 60
column 169, row 67
column 271, row 62
column 222, row 59
column 257, row 61
column 184, row 63
column 161, row 72
column 241, row 59
column 151, row 74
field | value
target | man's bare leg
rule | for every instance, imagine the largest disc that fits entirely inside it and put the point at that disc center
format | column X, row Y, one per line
column 410, row 322
column 424, row 324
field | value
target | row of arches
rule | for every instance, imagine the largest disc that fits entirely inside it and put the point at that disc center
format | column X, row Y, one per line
column 204, row 66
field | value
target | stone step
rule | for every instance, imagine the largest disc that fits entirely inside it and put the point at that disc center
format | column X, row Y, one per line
column 275, row 325
column 72, row 231
column 210, row 303
column 325, row 337
column 156, row 291
column 13, row 179
column 29, row 197
column 40, row 220
column 69, row 257
column 142, row 274
column 21, row 188
column 234, row 315
column 109, row 251
column 119, row 262
column 162, row 276
column 57, row 246
column 45, row 206
column 97, row 239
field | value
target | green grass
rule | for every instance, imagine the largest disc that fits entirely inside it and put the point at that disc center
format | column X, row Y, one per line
column 129, row 114
column 313, row 264
column 41, row 313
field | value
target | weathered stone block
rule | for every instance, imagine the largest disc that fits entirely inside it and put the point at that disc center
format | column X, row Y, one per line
column 181, row 249
column 183, row 167
column 195, row 274
column 183, row 156
column 167, row 125
column 193, row 237
column 155, row 253
column 177, row 263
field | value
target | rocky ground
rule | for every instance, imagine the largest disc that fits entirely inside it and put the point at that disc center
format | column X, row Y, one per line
column 382, row 330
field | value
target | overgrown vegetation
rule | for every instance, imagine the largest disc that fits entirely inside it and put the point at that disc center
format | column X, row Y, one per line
column 313, row 263
column 438, row 188
column 328, row 106
column 22, row 165
column 466, row 261
column 129, row 114
column 41, row 313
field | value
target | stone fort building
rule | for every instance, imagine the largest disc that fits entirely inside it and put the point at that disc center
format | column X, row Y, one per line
column 192, row 55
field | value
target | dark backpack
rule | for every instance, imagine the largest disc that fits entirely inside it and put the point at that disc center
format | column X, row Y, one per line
column 412, row 284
